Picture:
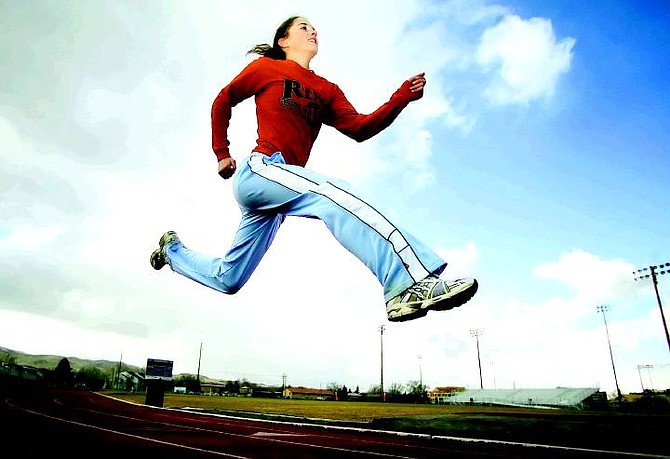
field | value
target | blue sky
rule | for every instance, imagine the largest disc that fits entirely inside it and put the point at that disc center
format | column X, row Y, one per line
column 536, row 162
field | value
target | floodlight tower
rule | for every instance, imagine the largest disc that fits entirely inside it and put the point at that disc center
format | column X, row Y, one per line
column 476, row 333
column 642, row 274
column 602, row 308
column 381, row 341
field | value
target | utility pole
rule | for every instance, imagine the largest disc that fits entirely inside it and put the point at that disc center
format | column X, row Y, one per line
column 420, row 373
column 283, row 385
column 476, row 333
column 495, row 386
column 381, row 340
column 602, row 308
column 199, row 359
column 118, row 371
column 421, row 388
column 648, row 367
column 642, row 274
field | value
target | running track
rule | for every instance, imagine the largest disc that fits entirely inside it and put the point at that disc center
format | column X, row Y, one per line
column 82, row 424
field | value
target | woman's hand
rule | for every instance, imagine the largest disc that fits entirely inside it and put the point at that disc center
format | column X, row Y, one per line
column 416, row 84
column 227, row 167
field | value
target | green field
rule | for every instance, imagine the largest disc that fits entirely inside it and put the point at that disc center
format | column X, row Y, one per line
column 586, row 429
column 328, row 410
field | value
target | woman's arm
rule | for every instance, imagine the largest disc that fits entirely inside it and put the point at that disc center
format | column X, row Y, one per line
column 345, row 118
column 243, row 86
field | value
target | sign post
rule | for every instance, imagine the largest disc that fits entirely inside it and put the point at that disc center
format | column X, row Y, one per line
column 158, row 373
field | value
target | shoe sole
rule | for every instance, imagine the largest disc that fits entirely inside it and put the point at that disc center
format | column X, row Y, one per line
column 156, row 259
column 418, row 313
column 446, row 304
column 456, row 300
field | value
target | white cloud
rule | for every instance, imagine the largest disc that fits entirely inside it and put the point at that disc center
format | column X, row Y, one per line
column 591, row 278
column 526, row 58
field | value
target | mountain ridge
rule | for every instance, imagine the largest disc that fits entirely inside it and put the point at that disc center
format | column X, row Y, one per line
column 50, row 361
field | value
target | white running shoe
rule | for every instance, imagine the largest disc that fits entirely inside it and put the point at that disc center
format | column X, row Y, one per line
column 430, row 294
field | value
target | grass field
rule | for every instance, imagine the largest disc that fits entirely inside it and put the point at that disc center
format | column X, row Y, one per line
column 313, row 409
column 586, row 429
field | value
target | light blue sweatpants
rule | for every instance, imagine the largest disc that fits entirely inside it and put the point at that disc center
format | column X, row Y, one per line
column 267, row 190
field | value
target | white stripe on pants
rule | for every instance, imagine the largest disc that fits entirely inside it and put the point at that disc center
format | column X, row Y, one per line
column 267, row 190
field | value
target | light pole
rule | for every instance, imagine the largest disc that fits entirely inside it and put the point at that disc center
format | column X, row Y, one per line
column 493, row 370
column 642, row 274
column 477, row 332
column 648, row 367
column 118, row 372
column 199, row 360
column 420, row 373
column 602, row 308
column 381, row 341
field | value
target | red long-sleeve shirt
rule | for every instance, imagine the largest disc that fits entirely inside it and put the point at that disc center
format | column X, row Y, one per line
column 291, row 105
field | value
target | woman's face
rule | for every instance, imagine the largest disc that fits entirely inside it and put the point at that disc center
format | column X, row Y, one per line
column 301, row 38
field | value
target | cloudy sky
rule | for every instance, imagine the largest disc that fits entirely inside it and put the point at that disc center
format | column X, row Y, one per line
column 537, row 162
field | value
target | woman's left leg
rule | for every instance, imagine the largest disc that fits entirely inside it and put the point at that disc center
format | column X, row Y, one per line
column 397, row 258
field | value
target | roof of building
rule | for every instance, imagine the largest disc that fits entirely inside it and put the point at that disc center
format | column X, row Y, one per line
column 446, row 389
column 307, row 391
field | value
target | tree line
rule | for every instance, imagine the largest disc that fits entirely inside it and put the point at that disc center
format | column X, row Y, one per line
column 95, row 378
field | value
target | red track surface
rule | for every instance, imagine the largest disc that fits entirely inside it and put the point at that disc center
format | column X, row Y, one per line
column 86, row 424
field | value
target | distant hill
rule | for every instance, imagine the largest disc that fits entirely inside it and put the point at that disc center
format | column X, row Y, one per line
column 51, row 361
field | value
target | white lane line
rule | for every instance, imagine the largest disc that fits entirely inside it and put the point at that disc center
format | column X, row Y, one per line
column 277, row 434
column 123, row 434
column 218, row 432
column 404, row 434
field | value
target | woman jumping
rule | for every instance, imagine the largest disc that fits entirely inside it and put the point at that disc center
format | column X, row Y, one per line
column 292, row 103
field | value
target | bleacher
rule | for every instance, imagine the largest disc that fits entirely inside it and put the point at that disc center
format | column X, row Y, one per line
column 560, row 397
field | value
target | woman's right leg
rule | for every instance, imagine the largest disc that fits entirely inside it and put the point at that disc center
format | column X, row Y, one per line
column 258, row 201
column 228, row 274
